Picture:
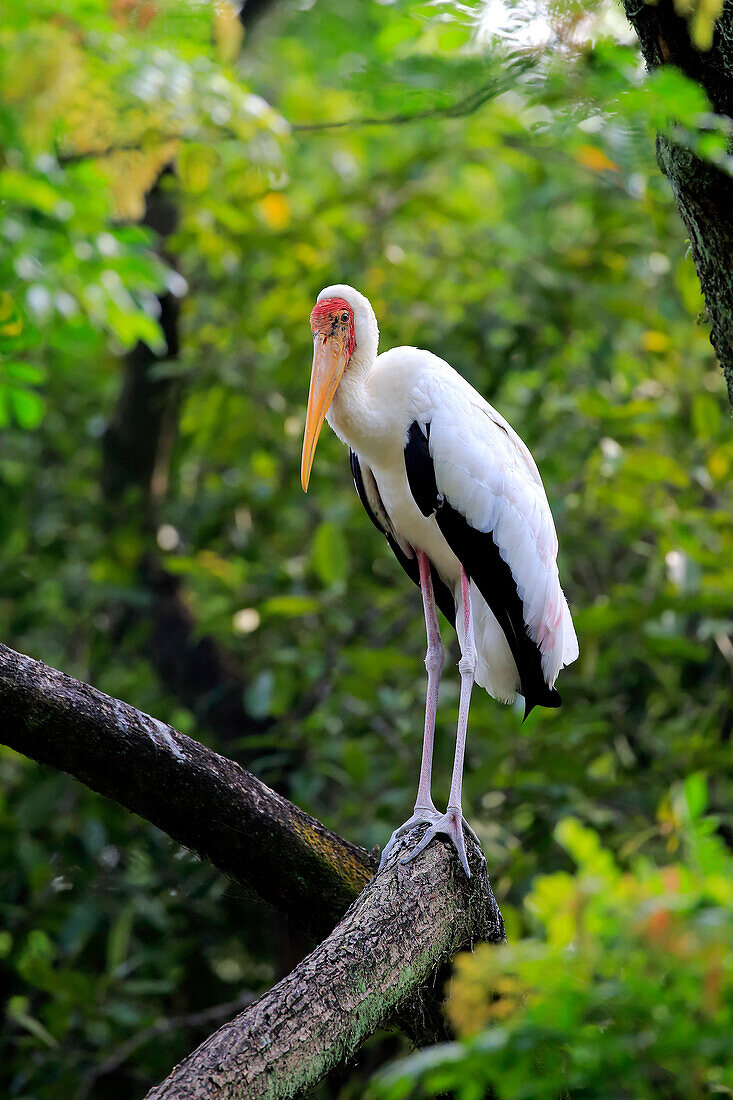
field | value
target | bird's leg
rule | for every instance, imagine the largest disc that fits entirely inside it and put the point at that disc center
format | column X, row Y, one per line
column 434, row 664
column 425, row 811
column 467, row 669
column 451, row 823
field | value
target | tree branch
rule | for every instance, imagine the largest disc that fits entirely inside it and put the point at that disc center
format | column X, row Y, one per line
column 201, row 799
column 384, row 961
column 406, row 924
column 468, row 105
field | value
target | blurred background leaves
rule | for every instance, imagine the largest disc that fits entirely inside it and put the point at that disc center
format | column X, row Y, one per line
column 169, row 174
column 626, row 985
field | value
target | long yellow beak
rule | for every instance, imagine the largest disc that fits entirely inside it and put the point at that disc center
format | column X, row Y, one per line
column 329, row 363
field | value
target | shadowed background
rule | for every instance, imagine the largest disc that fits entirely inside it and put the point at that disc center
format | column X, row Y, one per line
column 173, row 195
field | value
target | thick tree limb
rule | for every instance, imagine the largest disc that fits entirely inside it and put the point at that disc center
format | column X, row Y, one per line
column 704, row 193
column 383, row 962
column 201, row 799
column 401, row 929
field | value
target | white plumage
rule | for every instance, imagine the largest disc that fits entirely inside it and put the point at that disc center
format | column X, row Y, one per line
column 408, row 402
column 482, row 468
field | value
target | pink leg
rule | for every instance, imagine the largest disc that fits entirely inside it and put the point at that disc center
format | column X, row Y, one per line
column 434, row 664
column 425, row 811
column 451, row 823
column 467, row 669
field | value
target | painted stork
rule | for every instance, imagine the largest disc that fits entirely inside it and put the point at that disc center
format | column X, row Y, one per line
column 460, row 500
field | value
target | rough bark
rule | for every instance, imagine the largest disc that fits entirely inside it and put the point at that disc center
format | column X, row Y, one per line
column 406, row 923
column 704, row 193
column 385, row 962
column 201, row 799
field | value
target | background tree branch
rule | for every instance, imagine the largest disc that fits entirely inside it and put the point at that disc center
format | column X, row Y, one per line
column 136, row 454
column 201, row 799
column 406, row 924
column 137, row 448
column 464, row 106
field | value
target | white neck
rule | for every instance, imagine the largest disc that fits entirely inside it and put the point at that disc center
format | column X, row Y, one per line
column 350, row 414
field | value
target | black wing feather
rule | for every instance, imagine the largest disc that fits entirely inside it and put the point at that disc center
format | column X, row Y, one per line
column 480, row 557
column 420, row 469
column 443, row 596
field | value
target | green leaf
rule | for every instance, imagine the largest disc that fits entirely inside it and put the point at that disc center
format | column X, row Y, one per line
column 290, row 606
column 28, row 407
column 696, row 795
column 330, row 555
column 706, row 415
column 118, row 941
column 26, row 191
column 32, row 373
column 30, row 1023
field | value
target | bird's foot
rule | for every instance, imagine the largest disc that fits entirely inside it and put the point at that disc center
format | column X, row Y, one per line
column 450, row 824
column 421, row 815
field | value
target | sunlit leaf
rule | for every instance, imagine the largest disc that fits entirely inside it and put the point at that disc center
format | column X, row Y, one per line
column 27, row 406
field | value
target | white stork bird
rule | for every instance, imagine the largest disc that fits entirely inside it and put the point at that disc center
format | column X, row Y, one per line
column 461, row 502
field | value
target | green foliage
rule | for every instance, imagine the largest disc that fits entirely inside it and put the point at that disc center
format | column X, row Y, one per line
column 526, row 236
column 85, row 130
column 626, row 989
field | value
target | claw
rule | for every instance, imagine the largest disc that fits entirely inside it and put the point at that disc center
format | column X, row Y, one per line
column 472, row 832
column 422, row 815
column 450, row 824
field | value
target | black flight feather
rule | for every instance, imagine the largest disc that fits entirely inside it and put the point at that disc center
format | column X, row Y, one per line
column 480, row 557
column 420, row 469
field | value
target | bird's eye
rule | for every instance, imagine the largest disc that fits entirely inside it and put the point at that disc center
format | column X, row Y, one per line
column 344, row 317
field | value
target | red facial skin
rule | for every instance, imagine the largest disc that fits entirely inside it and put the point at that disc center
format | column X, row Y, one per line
column 328, row 319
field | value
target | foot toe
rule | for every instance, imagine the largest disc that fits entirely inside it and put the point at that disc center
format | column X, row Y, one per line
column 423, row 815
column 429, row 835
column 450, row 824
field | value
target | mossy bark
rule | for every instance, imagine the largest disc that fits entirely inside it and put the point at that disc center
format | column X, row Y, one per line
column 704, row 193
column 407, row 923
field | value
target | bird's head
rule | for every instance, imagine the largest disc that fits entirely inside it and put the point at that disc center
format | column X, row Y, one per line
column 335, row 319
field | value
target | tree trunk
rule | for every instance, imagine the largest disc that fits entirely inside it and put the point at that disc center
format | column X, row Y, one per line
column 137, row 448
column 704, row 193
